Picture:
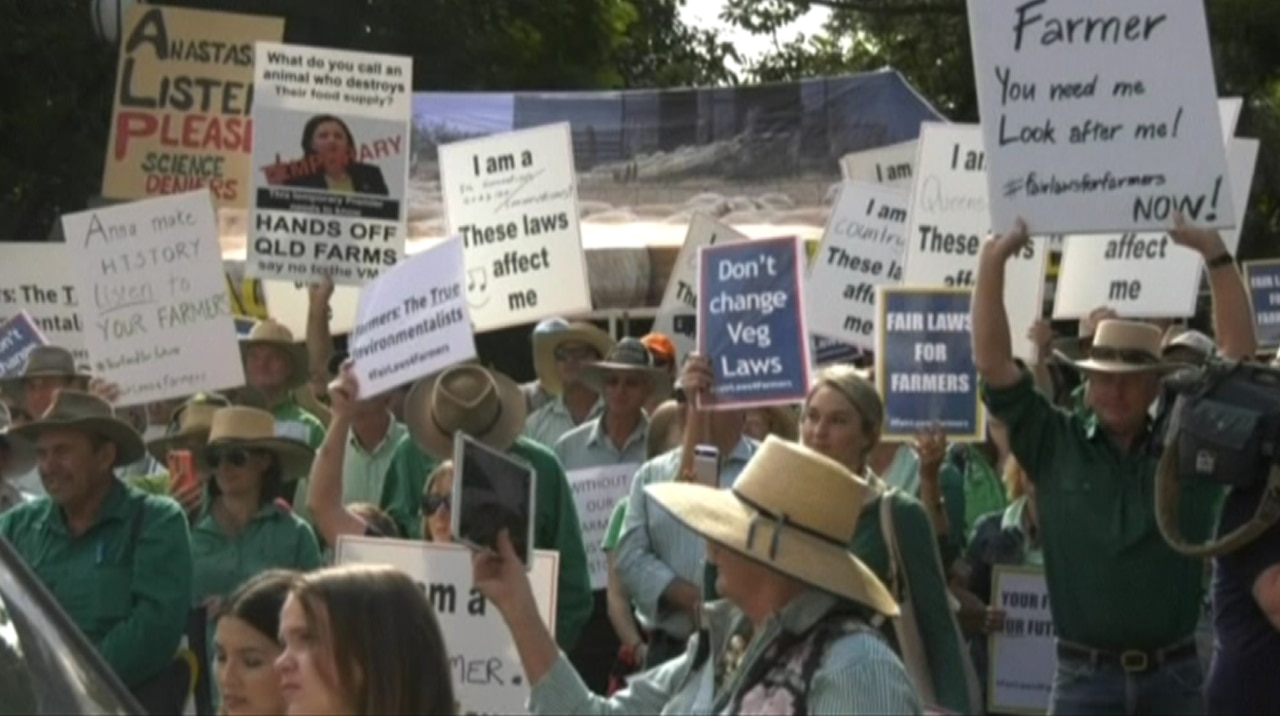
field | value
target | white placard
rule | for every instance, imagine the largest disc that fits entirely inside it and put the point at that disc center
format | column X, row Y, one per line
column 677, row 315
column 156, row 313
column 487, row 676
column 1098, row 116
column 893, row 165
column 948, row 219
column 413, row 321
column 1023, row 657
column 330, row 163
column 860, row 250
column 513, row 198
column 1145, row 275
column 34, row 278
column 596, row 491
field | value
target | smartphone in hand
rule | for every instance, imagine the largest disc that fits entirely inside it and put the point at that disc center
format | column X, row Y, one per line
column 182, row 471
column 706, row 465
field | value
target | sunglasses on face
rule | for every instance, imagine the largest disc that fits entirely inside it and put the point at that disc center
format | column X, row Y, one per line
column 234, row 457
column 432, row 503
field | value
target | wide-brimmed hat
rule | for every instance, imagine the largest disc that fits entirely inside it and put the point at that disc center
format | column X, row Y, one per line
column 792, row 510
column 268, row 332
column 189, row 425
column 1194, row 341
column 546, row 344
column 22, row 454
column 77, row 410
column 629, row 356
column 1121, row 346
column 467, row 398
column 255, row 429
column 44, row 362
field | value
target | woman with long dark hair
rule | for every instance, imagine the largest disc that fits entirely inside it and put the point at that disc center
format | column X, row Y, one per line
column 245, row 647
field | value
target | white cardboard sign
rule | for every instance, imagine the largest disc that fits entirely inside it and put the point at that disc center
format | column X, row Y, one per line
column 330, row 163
column 893, row 165
column 34, row 278
column 1145, row 275
column 948, row 220
column 1098, row 115
column 678, row 313
column 487, row 676
column 413, row 321
column 513, row 197
column 860, row 250
column 156, row 313
column 596, row 491
column 1023, row 656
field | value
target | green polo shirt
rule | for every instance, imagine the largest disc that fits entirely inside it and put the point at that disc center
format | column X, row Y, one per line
column 125, row 582
column 275, row 538
column 1113, row 581
column 556, row 525
column 364, row 472
column 288, row 412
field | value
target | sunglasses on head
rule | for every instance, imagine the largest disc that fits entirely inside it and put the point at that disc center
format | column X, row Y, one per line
column 235, row 457
column 432, row 503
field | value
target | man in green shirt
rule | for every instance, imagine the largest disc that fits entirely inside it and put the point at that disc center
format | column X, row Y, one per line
column 1124, row 604
column 275, row 365
column 117, row 560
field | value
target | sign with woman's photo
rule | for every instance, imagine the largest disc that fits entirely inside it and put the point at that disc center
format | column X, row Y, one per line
column 330, row 163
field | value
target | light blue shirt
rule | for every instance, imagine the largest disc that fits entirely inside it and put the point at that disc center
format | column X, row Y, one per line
column 550, row 422
column 588, row 446
column 904, row 472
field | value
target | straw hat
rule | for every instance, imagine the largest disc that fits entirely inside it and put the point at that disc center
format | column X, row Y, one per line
column 1121, row 346
column 802, row 533
column 255, row 429
column 22, row 454
column 189, row 425
column 44, row 362
column 467, row 398
column 1189, row 345
column 545, row 346
column 268, row 332
column 76, row 410
column 628, row 356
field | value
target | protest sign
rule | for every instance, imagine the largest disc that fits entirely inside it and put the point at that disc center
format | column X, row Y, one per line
column 487, row 676
column 596, row 491
column 826, row 351
column 1099, row 117
column 678, row 313
column 751, row 321
column 948, row 219
column 412, row 321
column 1145, row 275
column 157, row 316
column 861, row 249
column 18, row 337
column 184, row 90
column 514, row 199
column 33, row 278
column 924, row 363
column 330, row 163
column 1023, row 655
column 1263, row 281
column 893, row 165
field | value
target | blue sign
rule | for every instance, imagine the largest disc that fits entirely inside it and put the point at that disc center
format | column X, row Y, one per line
column 924, row 363
column 18, row 337
column 1263, row 279
column 751, row 322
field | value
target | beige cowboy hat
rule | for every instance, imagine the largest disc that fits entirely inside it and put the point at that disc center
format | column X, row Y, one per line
column 255, row 429
column 548, row 341
column 22, row 454
column 189, row 425
column 630, row 355
column 1121, row 346
column 804, row 534
column 269, row 332
column 467, row 398
column 76, row 410
column 44, row 362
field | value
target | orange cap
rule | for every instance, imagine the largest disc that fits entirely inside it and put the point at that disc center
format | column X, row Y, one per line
column 660, row 346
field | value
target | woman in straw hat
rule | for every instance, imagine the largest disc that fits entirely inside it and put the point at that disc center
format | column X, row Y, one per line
column 793, row 633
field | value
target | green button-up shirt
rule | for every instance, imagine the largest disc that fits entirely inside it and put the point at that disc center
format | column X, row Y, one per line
column 125, row 582
column 588, row 446
column 289, row 414
column 274, row 538
column 550, row 422
column 1113, row 581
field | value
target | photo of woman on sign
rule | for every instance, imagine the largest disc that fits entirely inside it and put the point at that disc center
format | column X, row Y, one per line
column 329, row 148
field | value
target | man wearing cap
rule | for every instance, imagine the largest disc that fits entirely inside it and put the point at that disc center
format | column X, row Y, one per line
column 489, row 407
column 1125, row 604
column 117, row 559
column 535, row 393
column 48, row 370
column 274, row 365
column 16, row 458
column 558, row 358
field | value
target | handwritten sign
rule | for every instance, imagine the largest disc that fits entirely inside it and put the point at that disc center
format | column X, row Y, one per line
column 412, row 321
column 18, row 337
column 751, row 321
column 156, row 312
column 33, row 278
column 330, row 163
column 487, row 676
column 596, row 491
column 924, row 363
column 893, row 165
column 1099, row 117
column 513, row 198
column 678, row 313
column 1023, row 656
column 861, row 249
column 1263, row 280
column 948, row 219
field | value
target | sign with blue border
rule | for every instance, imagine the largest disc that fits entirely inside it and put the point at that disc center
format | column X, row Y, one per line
column 924, row 363
column 751, row 322
column 1263, row 280
column 18, row 337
